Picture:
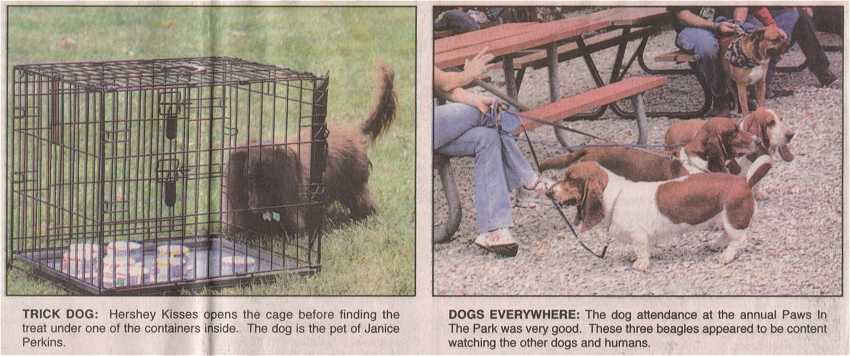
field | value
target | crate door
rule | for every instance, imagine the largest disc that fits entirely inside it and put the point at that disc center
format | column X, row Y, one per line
column 171, row 164
column 144, row 169
column 189, row 169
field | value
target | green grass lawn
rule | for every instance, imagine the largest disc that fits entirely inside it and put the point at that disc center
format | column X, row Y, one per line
column 372, row 257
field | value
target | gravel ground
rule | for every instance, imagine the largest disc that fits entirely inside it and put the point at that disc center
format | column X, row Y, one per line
column 795, row 241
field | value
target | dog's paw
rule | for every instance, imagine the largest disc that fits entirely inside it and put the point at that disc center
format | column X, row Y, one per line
column 728, row 256
column 718, row 244
column 641, row 265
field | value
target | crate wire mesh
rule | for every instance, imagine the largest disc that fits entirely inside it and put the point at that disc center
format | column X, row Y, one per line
column 142, row 175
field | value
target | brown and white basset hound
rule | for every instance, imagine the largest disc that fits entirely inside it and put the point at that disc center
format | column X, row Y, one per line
column 640, row 212
column 712, row 145
column 715, row 143
column 762, row 123
column 636, row 165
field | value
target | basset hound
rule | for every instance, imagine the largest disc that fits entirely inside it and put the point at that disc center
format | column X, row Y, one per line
column 713, row 144
column 640, row 212
column 775, row 136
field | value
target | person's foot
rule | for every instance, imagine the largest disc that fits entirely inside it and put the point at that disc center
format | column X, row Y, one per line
column 499, row 242
column 826, row 79
column 528, row 196
column 778, row 93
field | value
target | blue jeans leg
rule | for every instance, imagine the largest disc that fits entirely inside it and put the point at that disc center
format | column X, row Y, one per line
column 499, row 165
column 703, row 45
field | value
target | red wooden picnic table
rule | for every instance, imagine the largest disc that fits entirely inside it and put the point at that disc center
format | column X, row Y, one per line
column 509, row 41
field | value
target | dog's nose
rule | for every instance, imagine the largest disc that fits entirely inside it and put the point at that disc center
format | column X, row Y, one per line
column 789, row 135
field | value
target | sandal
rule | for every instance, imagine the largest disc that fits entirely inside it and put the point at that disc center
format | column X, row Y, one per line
column 528, row 197
column 499, row 242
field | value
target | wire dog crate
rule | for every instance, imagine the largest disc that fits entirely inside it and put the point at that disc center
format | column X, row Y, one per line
column 137, row 176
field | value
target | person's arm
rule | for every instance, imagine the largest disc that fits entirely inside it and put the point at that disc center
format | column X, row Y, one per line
column 763, row 15
column 766, row 19
column 459, row 95
column 473, row 69
column 688, row 18
column 447, row 81
column 740, row 14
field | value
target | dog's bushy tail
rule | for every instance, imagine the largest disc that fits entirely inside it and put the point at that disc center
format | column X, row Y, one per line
column 384, row 106
column 562, row 161
column 759, row 169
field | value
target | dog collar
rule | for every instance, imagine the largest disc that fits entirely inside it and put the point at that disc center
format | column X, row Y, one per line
column 736, row 56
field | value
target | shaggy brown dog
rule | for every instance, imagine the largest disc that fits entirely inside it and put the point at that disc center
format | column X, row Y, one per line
column 267, row 185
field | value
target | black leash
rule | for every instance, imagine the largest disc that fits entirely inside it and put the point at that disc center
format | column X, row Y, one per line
column 496, row 111
column 608, row 143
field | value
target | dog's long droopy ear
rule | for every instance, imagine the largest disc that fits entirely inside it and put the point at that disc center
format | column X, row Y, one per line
column 748, row 123
column 733, row 167
column 706, row 144
column 714, row 153
column 562, row 161
column 593, row 181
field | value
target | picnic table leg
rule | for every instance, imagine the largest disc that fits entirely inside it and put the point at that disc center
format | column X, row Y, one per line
column 554, row 87
column 554, row 80
column 618, row 61
column 588, row 60
column 594, row 72
column 707, row 102
column 445, row 232
column 520, row 74
column 510, row 79
column 640, row 116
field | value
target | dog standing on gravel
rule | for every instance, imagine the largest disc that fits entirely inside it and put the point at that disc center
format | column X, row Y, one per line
column 264, row 181
column 641, row 212
column 745, row 58
column 774, row 135
column 711, row 145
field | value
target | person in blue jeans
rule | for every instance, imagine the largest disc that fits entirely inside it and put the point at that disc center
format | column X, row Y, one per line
column 499, row 168
column 697, row 29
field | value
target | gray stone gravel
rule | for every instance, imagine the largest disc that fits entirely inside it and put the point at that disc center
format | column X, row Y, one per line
column 795, row 241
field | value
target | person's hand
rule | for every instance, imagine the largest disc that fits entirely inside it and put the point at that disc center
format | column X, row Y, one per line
column 481, row 102
column 725, row 28
column 808, row 11
column 476, row 67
